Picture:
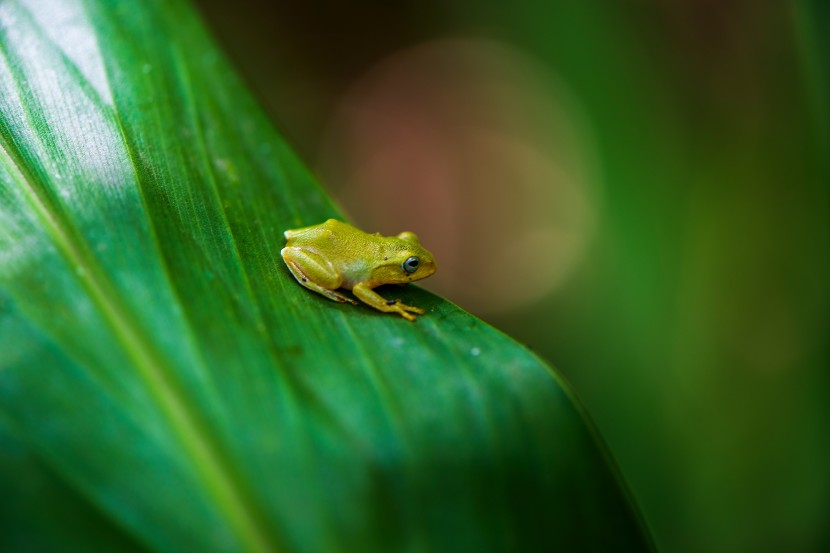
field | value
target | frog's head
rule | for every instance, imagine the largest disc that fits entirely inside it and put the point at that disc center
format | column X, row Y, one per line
column 409, row 261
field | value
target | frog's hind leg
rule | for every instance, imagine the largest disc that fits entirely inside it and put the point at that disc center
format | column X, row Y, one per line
column 314, row 273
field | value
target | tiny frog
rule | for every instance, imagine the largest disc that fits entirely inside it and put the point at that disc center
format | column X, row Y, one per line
column 335, row 255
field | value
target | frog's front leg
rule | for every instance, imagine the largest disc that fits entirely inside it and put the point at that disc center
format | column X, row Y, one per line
column 368, row 296
column 315, row 273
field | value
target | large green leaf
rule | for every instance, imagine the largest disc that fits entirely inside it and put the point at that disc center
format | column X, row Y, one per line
column 166, row 385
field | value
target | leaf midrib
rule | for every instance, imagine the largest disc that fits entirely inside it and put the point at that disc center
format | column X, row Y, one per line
column 151, row 365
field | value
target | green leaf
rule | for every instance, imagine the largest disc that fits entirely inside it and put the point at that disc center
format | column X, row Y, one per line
column 164, row 382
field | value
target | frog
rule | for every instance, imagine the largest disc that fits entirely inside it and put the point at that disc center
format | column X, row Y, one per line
column 335, row 255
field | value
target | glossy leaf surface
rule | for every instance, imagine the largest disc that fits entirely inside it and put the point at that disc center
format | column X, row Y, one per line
column 164, row 379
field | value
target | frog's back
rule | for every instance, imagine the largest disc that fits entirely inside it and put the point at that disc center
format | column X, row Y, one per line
column 313, row 231
column 330, row 237
column 302, row 231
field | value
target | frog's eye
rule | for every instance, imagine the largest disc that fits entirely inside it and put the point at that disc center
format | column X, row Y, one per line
column 411, row 264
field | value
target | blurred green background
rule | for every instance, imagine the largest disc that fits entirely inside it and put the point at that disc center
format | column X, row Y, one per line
column 637, row 190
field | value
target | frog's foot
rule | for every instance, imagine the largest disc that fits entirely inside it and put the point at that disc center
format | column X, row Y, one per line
column 404, row 310
column 370, row 297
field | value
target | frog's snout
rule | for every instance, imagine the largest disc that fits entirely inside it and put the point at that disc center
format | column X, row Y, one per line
column 429, row 268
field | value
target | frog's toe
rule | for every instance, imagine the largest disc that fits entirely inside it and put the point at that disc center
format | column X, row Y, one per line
column 411, row 308
column 406, row 311
column 405, row 315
